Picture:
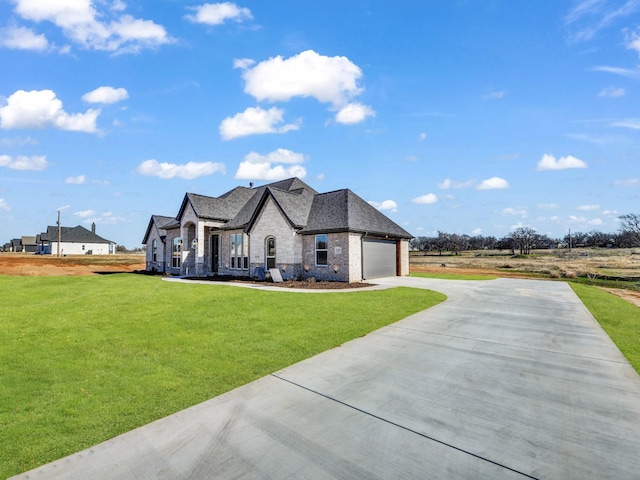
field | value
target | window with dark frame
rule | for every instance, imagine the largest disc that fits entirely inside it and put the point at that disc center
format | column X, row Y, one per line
column 176, row 252
column 154, row 250
column 322, row 250
column 239, row 251
column 270, row 252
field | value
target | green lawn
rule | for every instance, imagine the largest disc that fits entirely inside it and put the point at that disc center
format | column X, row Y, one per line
column 86, row 358
column 619, row 318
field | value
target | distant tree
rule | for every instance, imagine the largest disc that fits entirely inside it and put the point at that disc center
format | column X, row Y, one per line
column 630, row 225
column 525, row 239
column 121, row 248
column 598, row 239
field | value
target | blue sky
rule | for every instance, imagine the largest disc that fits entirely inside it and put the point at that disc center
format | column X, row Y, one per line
column 472, row 117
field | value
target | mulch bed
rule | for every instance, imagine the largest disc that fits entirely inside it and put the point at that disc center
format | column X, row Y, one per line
column 299, row 284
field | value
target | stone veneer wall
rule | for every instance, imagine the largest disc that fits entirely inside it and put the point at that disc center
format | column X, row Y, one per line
column 338, row 268
column 355, row 257
column 404, row 257
column 288, row 245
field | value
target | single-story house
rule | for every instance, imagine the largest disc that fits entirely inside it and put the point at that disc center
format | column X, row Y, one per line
column 29, row 244
column 284, row 225
column 74, row 241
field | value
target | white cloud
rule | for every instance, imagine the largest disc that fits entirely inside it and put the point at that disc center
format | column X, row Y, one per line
column 422, row 136
column 623, row 72
column 39, row 109
column 82, row 22
column 105, row 218
column 385, row 205
column 493, row 183
column 261, row 167
column 17, row 142
column 594, row 222
column 631, row 182
column 548, row 206
column 243, row 63
column 21, row 38
column 188, row 171
column 265, row 171
column 587, row 207
column 427, row 199
column 218, row 13
column 253, row 121
column 633, row 123
column 106, row 95
column 79, row 180
column 549, row 162
column 634, row 42
column 613, row 92
column 84, row 213
column 281, row 155
column 354, row 113
column 331, row 80
column 4, row 207
column 477, row 231
column 447, row 183
column 520, row 211
column 21, row 162
column 589, row 17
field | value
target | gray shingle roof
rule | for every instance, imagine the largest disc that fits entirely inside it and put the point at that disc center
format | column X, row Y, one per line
column 161, row 222
column 223, row 208
column 295, row 203
column 77, row 234
column 343, row 210
column 305, row 209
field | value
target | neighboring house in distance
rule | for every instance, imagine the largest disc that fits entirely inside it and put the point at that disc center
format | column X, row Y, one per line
column 74, row 241
column 159, row 243
column 286, row 225
column 29, row 244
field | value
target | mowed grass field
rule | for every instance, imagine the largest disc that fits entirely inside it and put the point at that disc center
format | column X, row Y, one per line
column 86, row 358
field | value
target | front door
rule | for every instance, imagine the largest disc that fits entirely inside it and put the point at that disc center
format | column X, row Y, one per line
column 215, row 253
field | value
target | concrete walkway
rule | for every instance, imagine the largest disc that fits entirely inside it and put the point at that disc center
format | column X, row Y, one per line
column 506, row 379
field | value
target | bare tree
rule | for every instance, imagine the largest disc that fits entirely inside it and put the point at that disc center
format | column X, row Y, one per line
column 630, row 225
column 524, row 238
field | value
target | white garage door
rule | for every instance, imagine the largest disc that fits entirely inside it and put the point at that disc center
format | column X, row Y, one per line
column 379, row 258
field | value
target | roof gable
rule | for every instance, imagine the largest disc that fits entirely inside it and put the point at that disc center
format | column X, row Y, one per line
column 222, row 208
column 292, row 196
column 160, row 222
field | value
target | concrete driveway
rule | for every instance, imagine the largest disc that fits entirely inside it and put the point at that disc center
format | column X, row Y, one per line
column 506, row 379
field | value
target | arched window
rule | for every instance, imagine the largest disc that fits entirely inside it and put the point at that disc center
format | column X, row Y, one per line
column 270, row 252
column 154, row 251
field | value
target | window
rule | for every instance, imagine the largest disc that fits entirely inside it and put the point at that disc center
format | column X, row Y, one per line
column 270, row 252
column 154, row 251
column 176, row 252
column 239, row 251
column 322, row 249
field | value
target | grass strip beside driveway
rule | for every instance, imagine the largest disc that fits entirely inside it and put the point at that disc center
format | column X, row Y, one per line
column 619, row 318
column 84, row 359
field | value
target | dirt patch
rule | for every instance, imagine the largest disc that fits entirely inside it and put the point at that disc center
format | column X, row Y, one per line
column 454, row 270
column 73, row 265
column 629, row 295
